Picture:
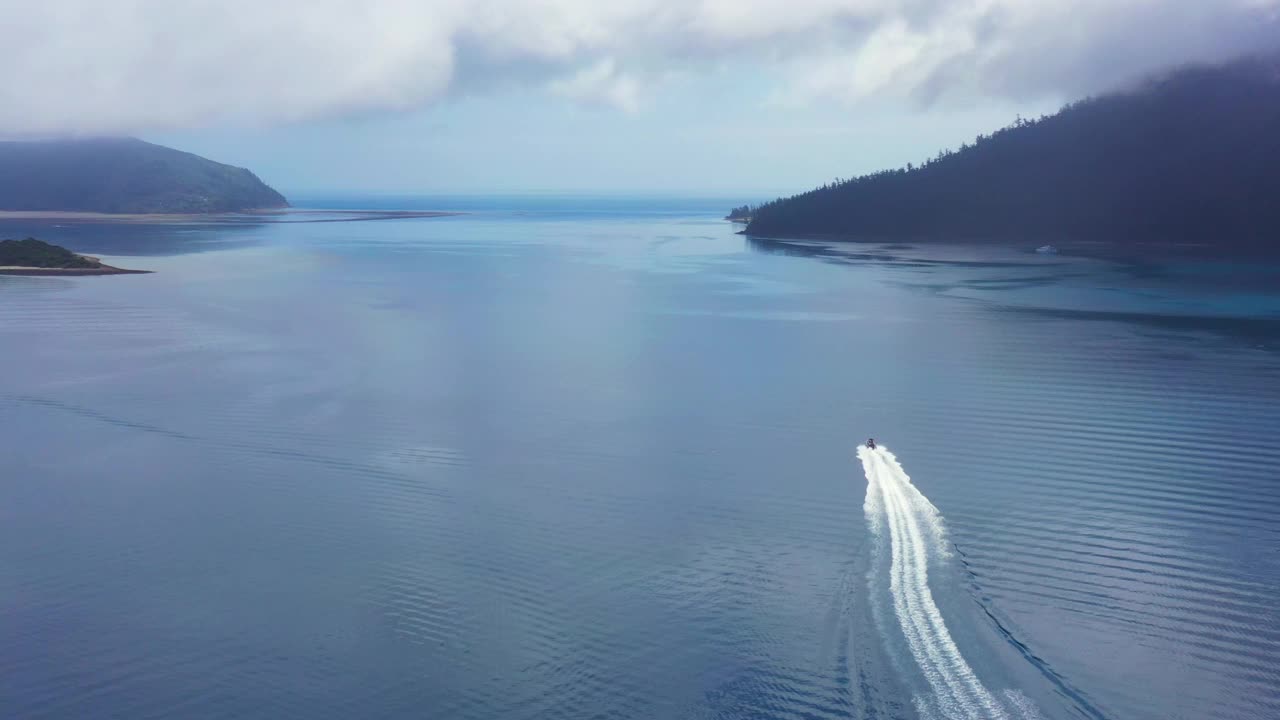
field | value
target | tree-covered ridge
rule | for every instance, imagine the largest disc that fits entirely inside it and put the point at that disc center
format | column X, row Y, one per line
column 742, row 213
column 1191, row 156
column 123, row 175
column 34, row 253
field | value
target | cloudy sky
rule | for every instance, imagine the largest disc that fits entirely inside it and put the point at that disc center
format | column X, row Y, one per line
column 721, row 97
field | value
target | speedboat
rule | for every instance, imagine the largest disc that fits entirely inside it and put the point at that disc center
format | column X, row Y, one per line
column 1047, row 250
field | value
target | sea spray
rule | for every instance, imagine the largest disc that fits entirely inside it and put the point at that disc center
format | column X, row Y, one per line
column 911, row 531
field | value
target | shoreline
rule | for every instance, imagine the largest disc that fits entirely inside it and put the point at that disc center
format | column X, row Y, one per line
column 97, row 269
column 100, row 270
column 1066, row 247
column 246, row 216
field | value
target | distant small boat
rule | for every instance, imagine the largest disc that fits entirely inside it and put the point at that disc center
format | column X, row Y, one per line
column 1047, row 250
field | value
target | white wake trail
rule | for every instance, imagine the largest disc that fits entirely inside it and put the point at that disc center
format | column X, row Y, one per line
column 916, row 534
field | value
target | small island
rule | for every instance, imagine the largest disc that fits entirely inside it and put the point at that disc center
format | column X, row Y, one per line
column 36, row 257
column 740, row 214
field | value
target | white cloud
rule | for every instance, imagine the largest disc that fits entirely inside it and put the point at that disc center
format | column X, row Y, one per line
column 602, row 84
column 136, row 65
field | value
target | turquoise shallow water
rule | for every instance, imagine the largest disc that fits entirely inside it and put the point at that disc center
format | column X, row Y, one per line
column 585, row 457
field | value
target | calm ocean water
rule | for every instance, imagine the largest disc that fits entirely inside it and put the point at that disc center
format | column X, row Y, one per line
column 588, row 457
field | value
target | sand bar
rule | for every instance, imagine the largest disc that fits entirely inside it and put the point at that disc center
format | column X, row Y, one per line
column 100, row 270
column 282, row 215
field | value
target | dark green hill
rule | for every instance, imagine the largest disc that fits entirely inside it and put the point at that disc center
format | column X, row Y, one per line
column 1193, row 156
column 124, row 175
column 34, row 253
